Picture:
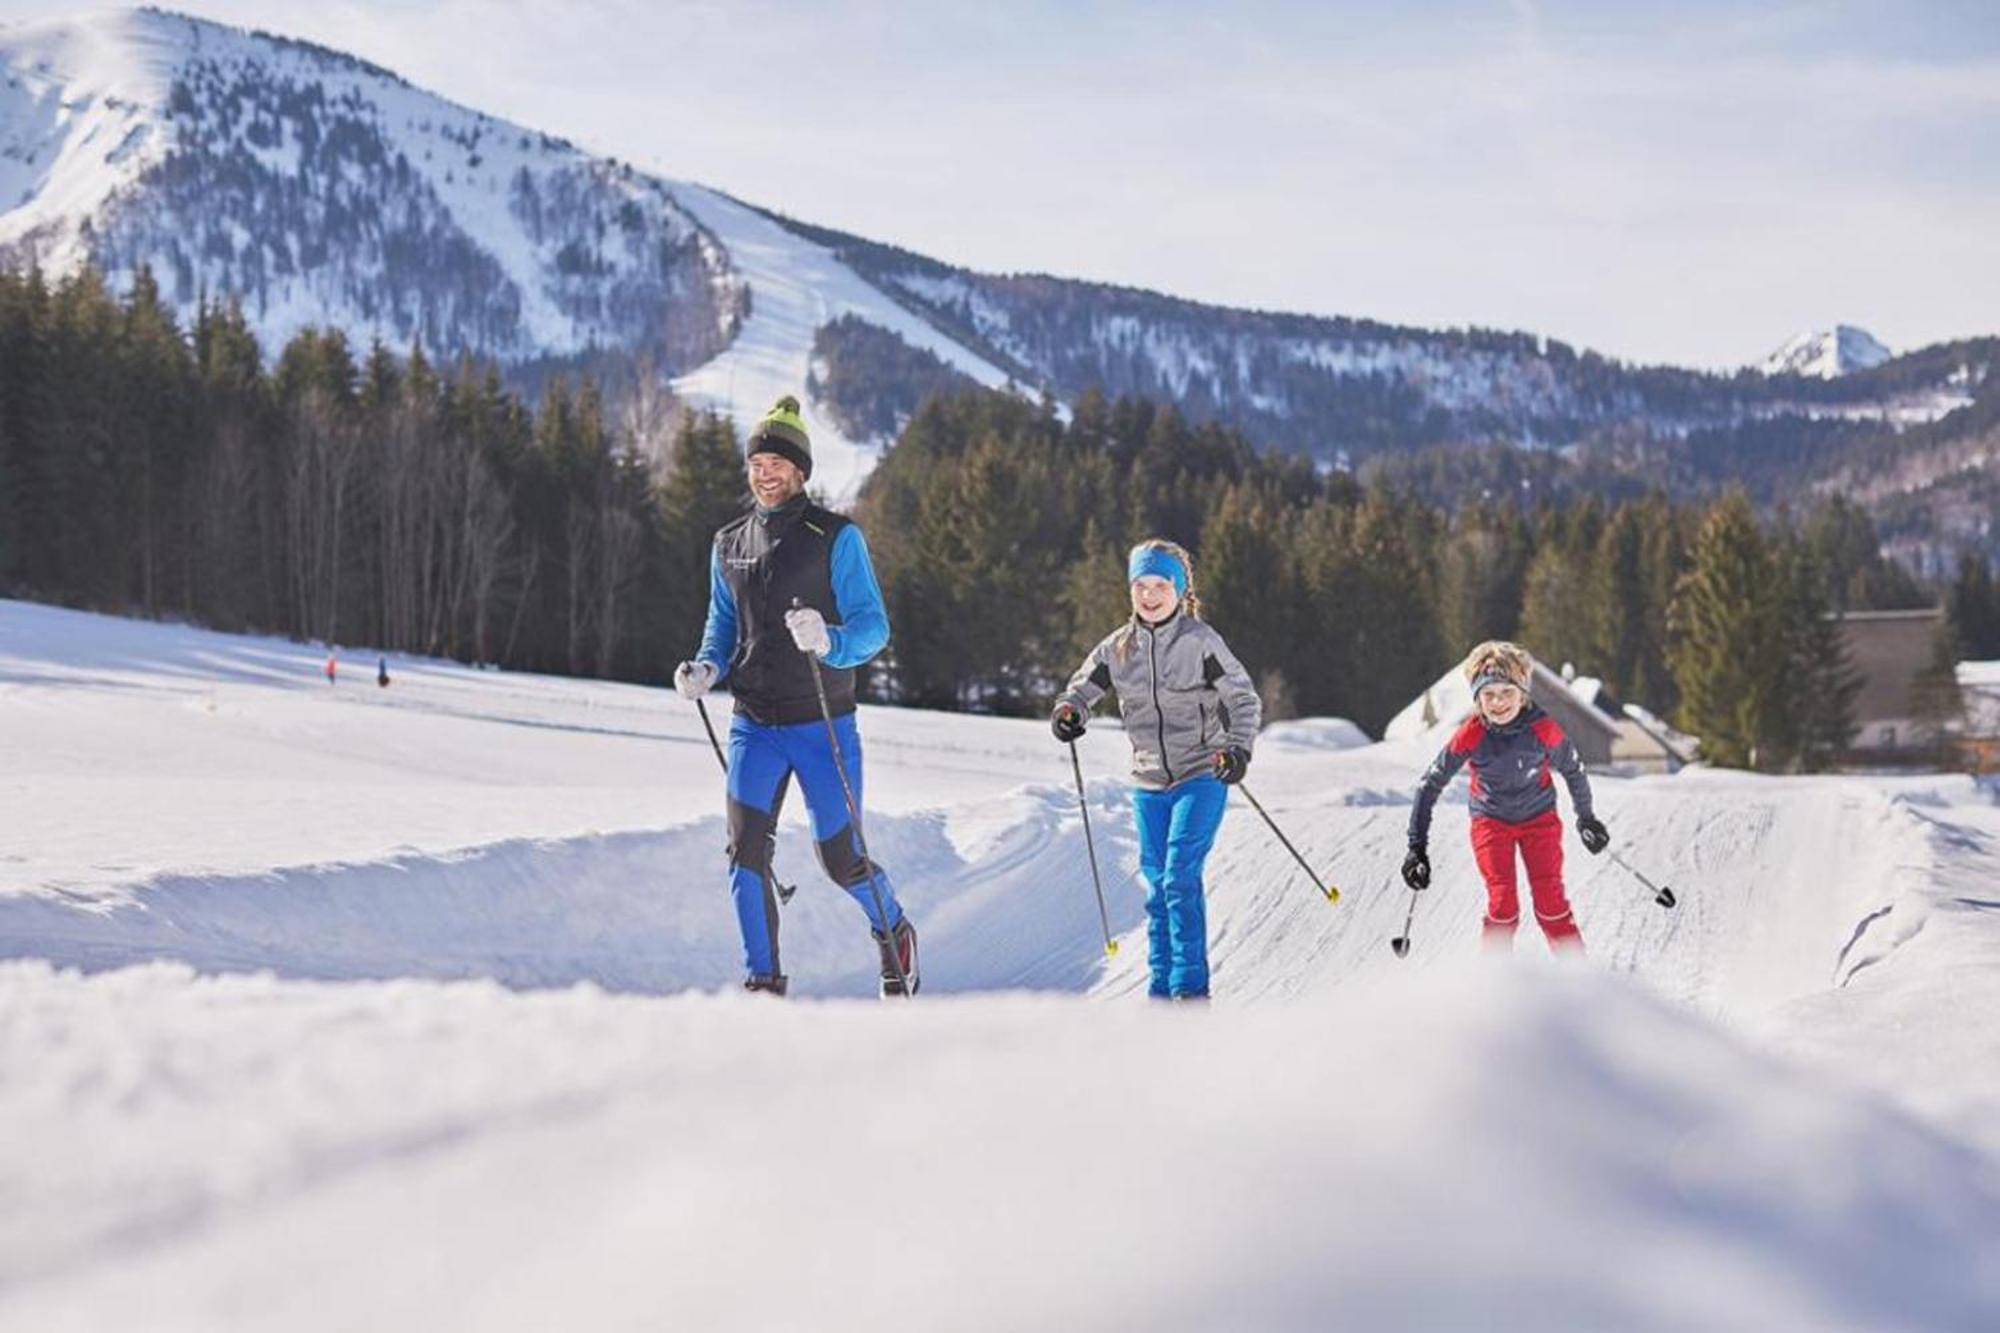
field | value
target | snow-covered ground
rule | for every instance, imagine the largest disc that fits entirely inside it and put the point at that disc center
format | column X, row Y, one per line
column 337, row 1007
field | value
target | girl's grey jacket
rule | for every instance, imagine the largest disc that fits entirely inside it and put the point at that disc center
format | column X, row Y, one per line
column 1183, row 693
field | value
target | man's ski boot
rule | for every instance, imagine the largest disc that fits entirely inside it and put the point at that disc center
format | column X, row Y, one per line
column 905, row 936
column 772, row 985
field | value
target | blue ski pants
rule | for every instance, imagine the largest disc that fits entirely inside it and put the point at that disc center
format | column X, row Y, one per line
column 762, row 761
column 1176, row 828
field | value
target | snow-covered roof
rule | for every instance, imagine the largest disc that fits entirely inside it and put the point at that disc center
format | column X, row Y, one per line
column 1448, row 702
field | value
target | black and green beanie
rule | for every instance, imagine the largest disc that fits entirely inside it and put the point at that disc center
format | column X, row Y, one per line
column 782, row 431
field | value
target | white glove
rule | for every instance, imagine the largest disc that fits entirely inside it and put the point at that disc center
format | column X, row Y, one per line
column 693, row 679
column 808, row 629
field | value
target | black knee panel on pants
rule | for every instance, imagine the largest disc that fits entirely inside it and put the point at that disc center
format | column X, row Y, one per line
column 753, row 836
column 843, row 861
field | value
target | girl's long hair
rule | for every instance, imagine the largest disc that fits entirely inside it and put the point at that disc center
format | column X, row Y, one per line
column 1190, row 601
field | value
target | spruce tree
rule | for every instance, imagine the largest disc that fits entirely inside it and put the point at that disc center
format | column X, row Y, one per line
column 1728, row 652
column 1558, row 608
column 1246, row 581
column 1974, row 608
column 1936, row 702
column 1618, row 611
column 1666, row 555
column 1483, row 572
column 1817, row 699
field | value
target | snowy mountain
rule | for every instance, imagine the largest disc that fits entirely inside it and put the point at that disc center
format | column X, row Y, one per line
column 435, row 984
column 1827, row 354
column 321, row 190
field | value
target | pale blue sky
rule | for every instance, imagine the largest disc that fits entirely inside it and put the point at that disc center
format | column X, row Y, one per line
column 1687, row 181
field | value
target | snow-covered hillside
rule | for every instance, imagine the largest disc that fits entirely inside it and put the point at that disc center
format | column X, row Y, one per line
column 1827, row 353
column 335, row 1006
column 322, row 190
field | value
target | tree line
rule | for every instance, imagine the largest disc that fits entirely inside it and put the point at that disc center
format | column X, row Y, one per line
column 1000, row 527
column 373, row 499
column 389, row 501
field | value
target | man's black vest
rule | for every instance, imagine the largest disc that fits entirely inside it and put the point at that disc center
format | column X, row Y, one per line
column 768, row 559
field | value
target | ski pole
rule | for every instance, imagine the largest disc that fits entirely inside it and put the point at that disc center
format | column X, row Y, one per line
column 785, row 891
column 1401, row 944
column 1332, row 894
column 1096, row 880
column 854, row 817
column 1663, row 896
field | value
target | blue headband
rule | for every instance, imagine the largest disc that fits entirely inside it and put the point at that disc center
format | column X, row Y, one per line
column 1161, row 564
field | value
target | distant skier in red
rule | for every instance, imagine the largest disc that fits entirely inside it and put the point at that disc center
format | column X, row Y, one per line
column 332, row 667
column 1512, row 746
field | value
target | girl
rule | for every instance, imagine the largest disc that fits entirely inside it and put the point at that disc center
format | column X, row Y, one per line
column 1191, row 715
column 1511, row 744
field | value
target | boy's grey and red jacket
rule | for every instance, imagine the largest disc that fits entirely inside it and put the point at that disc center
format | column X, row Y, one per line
column 1183, row 693
column 1511, row 779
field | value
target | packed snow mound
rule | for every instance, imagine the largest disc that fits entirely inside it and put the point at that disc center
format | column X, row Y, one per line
column 1827, row 353
column 1315, row 733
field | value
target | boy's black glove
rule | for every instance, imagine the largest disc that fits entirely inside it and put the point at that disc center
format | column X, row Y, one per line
column 1595, row 836
column 1232, row 764
column 1417, row 869
column 1066, row 723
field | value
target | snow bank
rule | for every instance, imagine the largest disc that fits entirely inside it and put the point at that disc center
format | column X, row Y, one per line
column 1503, row 1151
column 1315, row 733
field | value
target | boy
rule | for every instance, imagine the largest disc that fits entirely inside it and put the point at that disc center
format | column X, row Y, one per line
column 1512, row 745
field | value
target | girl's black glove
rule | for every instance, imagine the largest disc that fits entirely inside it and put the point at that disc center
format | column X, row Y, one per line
column 1417, row 869
column 1066, row 723
column 1232, row 764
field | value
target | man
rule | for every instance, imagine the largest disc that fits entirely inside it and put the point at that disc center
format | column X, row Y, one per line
column 786, row 580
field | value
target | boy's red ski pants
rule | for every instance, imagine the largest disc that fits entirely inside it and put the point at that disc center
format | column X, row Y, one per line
column 1539, row 841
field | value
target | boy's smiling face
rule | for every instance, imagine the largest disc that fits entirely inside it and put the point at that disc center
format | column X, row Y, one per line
column 1501, row 704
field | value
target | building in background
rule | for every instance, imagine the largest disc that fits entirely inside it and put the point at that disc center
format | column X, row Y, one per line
column 1889, row 650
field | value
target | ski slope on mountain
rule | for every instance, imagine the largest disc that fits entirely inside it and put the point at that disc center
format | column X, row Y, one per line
column 76, row 122
column 797, row 288
column 334, row 1006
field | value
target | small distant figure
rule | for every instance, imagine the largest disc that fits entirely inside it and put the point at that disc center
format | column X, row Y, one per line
column 332, row 667
column 382, row 673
